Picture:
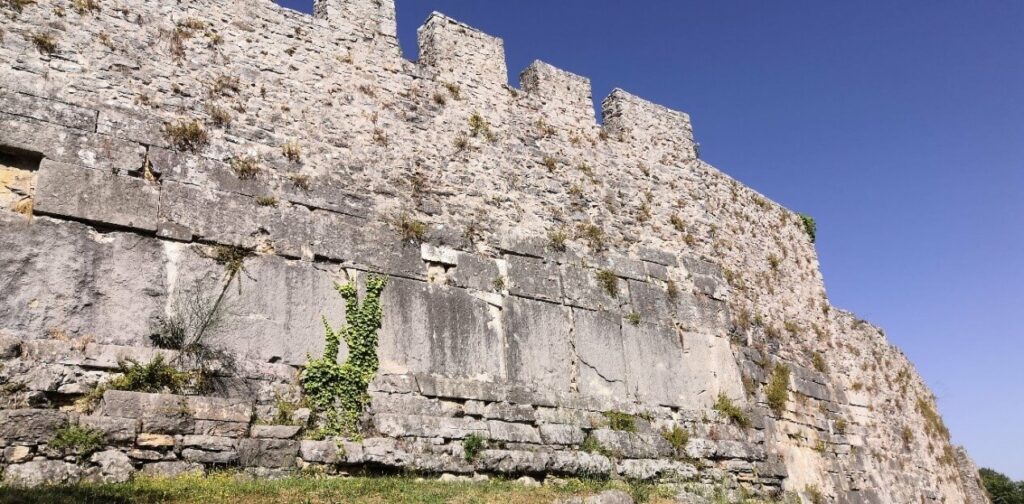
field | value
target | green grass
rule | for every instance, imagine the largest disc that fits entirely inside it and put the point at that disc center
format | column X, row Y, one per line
column 230, row 488
column 731, row 411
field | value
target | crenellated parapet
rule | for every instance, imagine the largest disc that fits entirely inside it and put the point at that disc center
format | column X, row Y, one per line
column 367, row 19
column 460, row 54
column 633, row 119
column 563, row 97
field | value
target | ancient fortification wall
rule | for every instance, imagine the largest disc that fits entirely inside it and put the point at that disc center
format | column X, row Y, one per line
column 571, row 292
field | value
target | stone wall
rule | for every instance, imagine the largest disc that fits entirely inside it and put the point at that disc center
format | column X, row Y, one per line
column 547, row 273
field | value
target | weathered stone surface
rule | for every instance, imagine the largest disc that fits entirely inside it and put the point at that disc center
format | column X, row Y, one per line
column 475, row 272
column 115, row 430
column 514, row 461
column 583, row 289
column 172, row 469
column 214, row 428
column 579, row 462
column 114, row 467
column 650, row 469
column 561, row 434
column 65, row 145
column 210, row 457
column 598, row 343
column 433, row 329
column 47, row 110
column 218, row 409
column 273, row 453
column 155, row 440
column 64, row 277
column 31, row 425
column 208, row 443
column 537, row 335
column 323, row 452
column 42, row 472
column 534, row 278
column 650, row 302
column 17, row 454
column 160, row 413
column 427, row 426
column 512, row 432
column 275, row 431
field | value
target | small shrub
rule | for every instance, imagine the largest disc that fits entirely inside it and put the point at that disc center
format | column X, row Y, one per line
column 187, row 135
column 550, row 163
column 814, row 494
column 45, row 43
column 440, row 99
column 473, row 445
column 678, row 437
column 810, row 227
column 557, row 239
column 590, row 444
column 300, row 181
column 219, row 116
column 266, row 200
column 285, row 414
column 933, row 424
column 678, row 223
column 620, row 421
column 232, row 258
column 774, row 261
column 593, row 235
column 732, row 412
column 672, row 290
column 608, row 281
column 633, row 318
column 78, row 440
column 819, row 362
column 454, row 90
column 245, row 167
column 777, row 391
column 225, row 85
column 380, row 137
column 478, row 126
column 17, row 5
column 840, row 426
column 460, row 143
column 409, row 228
column 292, row 151
column 85, row 6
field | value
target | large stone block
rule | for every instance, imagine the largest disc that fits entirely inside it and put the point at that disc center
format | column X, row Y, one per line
column 429, row 427
column 31, row 425
column 271, row 298
column 47, row 110
column 598, row 343
column 92, row 195
column 434, row 329
column 274, row 453
column 71, row 146
column 583, row 289
column 534, row 278
column 537, row 343
column 42, row 472
column 60, row 277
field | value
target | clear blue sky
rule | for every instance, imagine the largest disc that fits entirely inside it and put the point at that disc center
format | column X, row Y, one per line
column 898, row 125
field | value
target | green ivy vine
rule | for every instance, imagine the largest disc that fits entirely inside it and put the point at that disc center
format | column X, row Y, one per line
column 338, row 392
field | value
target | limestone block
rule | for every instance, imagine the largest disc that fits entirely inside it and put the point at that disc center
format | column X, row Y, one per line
column 209, row 457
column 322, row 452
column 272, row 297
column 708, row 278
column 598, row 343
column 579, row 462
column 434, row 329
column 17, row 454
column 227, row 429
column 42, row 472
column 65, row 145
column 220, row 409
column 147, row 440
column 275, row 431
column 31, row 425
column 380, row 249
column 132, row 126
column 428, row 426
column 564, row 98
column 201, row 171
column 650, row 469
column 273, row 453
column 454, row 388
column 512, row 432
column 208, row 443
column 47, row 110
column 171, row 469
column 115, row 430
column 538, row 348
column 474, row 272
column 409, row 404
column 650, row 301
column 114, row 467
column 80, row 193
column 514, row 461
column 656, row 256
column 583, row 289
column 561, row 434
column 534, row 278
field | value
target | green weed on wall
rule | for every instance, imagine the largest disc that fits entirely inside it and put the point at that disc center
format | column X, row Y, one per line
column 337, row 392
